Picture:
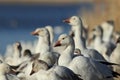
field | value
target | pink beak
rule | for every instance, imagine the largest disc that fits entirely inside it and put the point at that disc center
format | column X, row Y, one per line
column 57, row 44
column 67, row 20
column 34, row 33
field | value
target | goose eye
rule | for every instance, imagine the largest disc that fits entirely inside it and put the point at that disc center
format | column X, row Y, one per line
column 63, row 38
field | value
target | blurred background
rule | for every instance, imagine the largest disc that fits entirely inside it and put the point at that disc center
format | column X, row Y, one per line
column 20, row 17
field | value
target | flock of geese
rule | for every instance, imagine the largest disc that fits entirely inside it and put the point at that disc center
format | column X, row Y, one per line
column 74, row 56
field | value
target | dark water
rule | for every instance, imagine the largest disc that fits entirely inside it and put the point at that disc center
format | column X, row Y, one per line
column 17, row 21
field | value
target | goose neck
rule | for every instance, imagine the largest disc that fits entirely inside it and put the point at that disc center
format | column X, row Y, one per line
column 66, row 56
column 17, row 54
column 98, row 40
column 43, row 45
column 3, row 77
column 79, row 40
column 45, row 40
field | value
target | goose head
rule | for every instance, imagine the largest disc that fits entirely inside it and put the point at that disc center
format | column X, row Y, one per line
column 17, row 49
column 108, row 25
column 97, row 31
column 63, row 40
column 77, row 52
column 27, row 52
column 73, row 21
column 40, row 32
column 17, row 46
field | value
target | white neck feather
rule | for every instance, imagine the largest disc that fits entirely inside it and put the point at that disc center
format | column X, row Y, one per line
column 16, row 54
column 79, row 41
column 66, row 56
column 107, row 34
column 43, row 45
column 3, row 77
column 97, row 41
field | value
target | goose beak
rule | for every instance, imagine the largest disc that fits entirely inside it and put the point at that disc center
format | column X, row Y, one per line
column 67, row 20
column 34, row 33
column 57, row 44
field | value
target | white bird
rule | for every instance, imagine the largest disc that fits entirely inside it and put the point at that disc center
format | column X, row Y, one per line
column 88, row 68
column 43, row 46
column 108, row 28
column 51, row 32
column 77, row 28
column 15, row 58
column 99, row 44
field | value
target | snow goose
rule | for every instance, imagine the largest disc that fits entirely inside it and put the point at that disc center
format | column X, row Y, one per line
column 115, row 56
column 88, row 68
column 51, row 32
column 99, row 44
column 17, row 50
column 15, row 59
column 43, row 47
column 77, row 28
column 108, row 28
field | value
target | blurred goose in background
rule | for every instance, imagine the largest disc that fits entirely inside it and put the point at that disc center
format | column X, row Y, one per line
column 115, row 56
column 55, row 50
column 17, row 50
column 99, row 44
column 51, row 32
column 88, row 68
column 76, row 29
column 108, row 28
column 43, row 46
column 15, row 58
column 27, row 55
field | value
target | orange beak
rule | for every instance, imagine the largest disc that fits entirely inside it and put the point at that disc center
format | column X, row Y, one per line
column 57, row 44
column 34, row 33
column 67, row 20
